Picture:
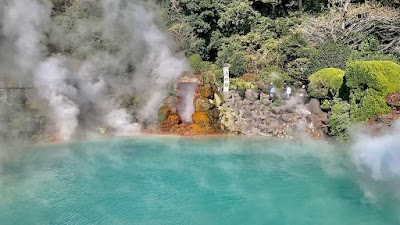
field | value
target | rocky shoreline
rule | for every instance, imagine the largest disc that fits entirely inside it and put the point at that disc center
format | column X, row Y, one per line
column 252, row 114
column 255, row 114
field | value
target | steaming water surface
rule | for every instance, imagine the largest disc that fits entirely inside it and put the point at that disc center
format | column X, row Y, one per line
column 150, row 180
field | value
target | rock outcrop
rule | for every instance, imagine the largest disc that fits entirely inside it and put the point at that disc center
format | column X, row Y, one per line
column 255, row 114
column 205, row 119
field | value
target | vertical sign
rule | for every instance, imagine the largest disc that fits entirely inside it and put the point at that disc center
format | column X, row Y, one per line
column 226, row 77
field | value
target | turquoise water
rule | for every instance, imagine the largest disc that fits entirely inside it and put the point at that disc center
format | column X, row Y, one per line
column 165, row 180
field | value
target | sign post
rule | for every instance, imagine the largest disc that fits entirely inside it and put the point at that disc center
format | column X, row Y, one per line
column 226, row 77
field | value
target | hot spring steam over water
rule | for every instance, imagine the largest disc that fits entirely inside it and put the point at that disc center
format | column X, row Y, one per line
column 153, row 180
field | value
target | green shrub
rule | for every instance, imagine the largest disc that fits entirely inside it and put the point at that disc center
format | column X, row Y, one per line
column 382, row 76
column 196, row 62
column 273, row 74
column 298, row 70
column 240, row 85
column 326, row 83
column 329, row 55
column 371, row 103
column 339, row 120
column 372, row 56
column 295, row 46
column 326, row 105
column 236, row 60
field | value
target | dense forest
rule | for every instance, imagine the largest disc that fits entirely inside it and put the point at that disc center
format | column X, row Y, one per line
column 345, row 51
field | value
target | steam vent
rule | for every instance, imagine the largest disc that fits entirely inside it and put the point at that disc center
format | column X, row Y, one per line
column 192, row 109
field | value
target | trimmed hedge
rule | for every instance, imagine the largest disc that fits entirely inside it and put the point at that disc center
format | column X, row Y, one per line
column 382, row 76
column 326, row 83
column 369, row 83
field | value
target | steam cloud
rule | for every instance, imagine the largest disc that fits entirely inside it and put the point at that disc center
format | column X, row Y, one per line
column 80, row 79
column 378, row 161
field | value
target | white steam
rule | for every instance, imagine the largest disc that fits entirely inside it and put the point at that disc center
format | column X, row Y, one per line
column 80, row 83
column 377, row 159
column 50, row 79
column 186, row 106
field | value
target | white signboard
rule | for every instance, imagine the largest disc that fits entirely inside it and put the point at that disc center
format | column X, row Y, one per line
column 226, row 78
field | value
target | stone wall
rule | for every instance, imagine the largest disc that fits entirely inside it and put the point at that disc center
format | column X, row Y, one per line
column 255, row 114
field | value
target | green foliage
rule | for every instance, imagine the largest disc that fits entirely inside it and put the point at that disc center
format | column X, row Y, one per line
column 371, row 104
column 326, row 105
column 297, row 70
column 382, row 76
column 238, row 17
column 369, row 82
column 240, row 85
column 217, row 74
column 326, row 83
column 196, row 63
column 59, row 6
column 372, row 56
column 235, row 58
column 339, row 120
column 369, row 44
column 295, row 46
column 369, row 50
column 186, row 39
column 329, row 55
column 273, row 74
column 66, row 34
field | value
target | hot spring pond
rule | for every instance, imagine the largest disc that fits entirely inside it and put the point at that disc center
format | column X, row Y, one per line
column 168, row 180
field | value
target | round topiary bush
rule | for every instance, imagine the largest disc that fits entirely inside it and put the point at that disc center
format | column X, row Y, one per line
column 369, row 83
column 382, row 76
column 326, row 83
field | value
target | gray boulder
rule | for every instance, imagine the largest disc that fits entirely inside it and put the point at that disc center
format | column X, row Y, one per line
column 276, row 110
column 251, row 95
column 266, row 101
column 314, row 107
column 286, row 117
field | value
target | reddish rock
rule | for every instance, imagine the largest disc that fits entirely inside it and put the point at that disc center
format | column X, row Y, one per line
column 208, row 91
column 173, row 119
column 393, row 99
column 201, row 118
column 164, row 112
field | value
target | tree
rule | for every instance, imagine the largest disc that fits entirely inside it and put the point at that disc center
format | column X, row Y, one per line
column 238, row 18
column 365, row 20
column 186, row 39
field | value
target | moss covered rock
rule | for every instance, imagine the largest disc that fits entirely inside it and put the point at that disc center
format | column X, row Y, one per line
column 326, row 83
column 202, row 104
column 164, row 111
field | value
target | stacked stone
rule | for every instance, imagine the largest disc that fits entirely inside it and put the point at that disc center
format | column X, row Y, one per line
column 256, row 115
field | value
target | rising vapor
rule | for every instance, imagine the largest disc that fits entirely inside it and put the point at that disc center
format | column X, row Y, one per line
column 377, row 159
column 80, row 65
